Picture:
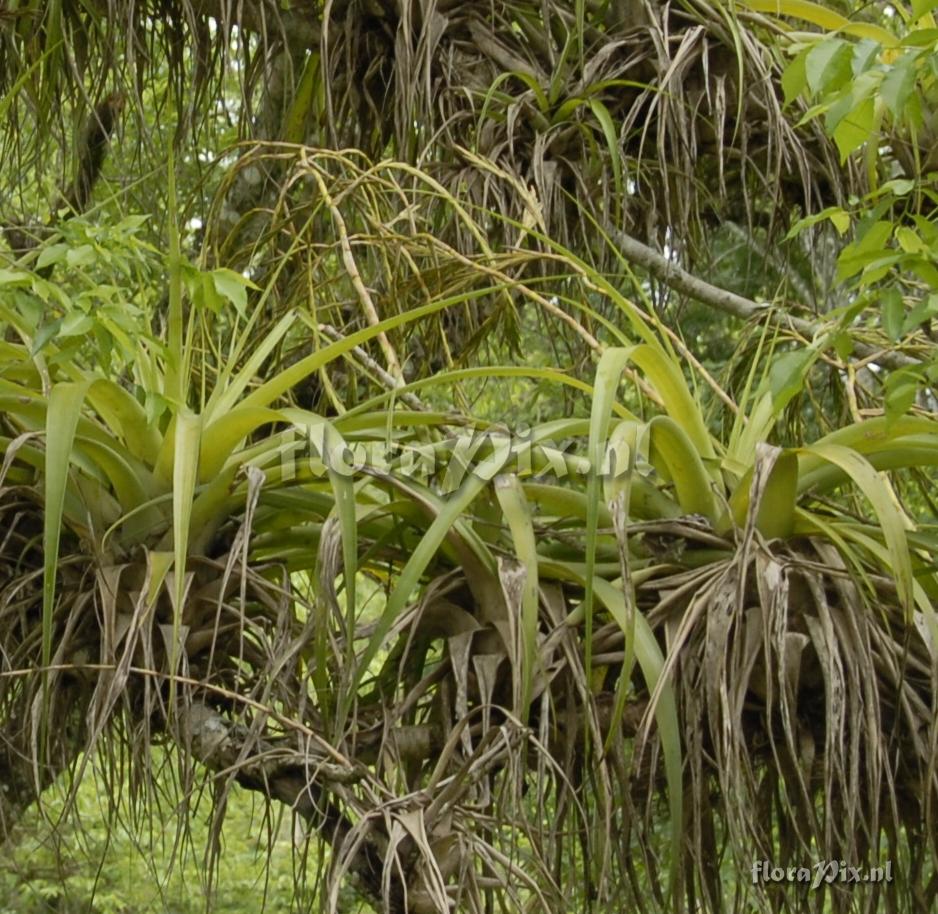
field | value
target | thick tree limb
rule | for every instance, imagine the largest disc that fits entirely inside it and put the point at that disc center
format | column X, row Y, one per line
column 18, row 785
column 730, row 303
column 23, row 774
column 224, row 746
column 299, row 23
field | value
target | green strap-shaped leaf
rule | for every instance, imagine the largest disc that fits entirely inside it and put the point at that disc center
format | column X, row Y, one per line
column 669, row 443
column 126, row 418
column 776, row 515
column 601, row 113
column 226, row 432
column 918, row 451
column 825, row 17
column 665, row 375
column 65, row 402
column 227, row 392
column 608, row 373
column 448, row 515
column 866, row 438
column 297, row 120
column 446, row 379
column 185, row 474
column 343, row 489
column 289, row 377
column 891, row 518
column 651, row 661
column 512, row 499
column 130, row 489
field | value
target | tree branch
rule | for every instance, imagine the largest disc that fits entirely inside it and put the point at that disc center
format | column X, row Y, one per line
column 300, row 23
column 730, row 303
column 223, row 746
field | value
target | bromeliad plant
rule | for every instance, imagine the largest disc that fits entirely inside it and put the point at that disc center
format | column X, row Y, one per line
column 481, row 663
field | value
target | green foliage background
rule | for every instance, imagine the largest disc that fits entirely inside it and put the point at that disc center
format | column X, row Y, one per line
column 541, row 685
column 94, row 863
